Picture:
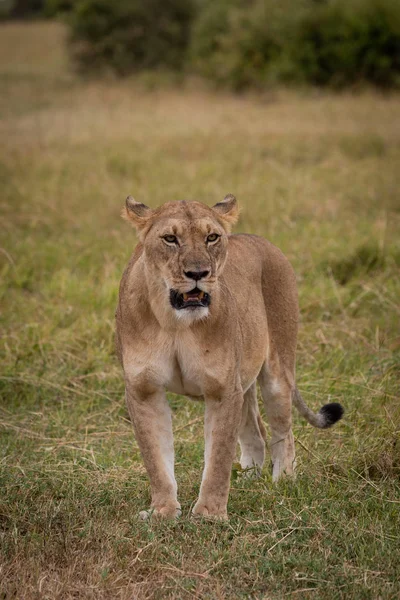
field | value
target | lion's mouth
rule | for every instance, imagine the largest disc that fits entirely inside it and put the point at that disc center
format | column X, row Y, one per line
column 194, row 299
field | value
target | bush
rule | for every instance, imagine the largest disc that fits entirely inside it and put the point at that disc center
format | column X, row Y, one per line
column 242, row 44
column 59, row 8
column 5, row 9
column 331, row 42
column 21, row 9
column 130, row 35
column 342, row 43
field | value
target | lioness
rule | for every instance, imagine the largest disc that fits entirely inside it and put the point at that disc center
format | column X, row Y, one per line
column 208, row 314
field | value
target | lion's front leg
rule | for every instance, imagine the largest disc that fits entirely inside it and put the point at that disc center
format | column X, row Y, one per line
column 151, row 418
column 221, row 427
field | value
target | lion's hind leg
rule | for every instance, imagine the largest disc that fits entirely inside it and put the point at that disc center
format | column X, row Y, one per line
column 252, row 434
column 276, row 391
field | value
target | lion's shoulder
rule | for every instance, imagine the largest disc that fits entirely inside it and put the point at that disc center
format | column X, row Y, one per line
column 247, row 249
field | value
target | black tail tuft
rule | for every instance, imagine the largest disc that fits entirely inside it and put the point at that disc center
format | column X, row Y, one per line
column 331, row 413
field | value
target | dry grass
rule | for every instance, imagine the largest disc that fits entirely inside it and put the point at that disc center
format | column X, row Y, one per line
column 318, row 175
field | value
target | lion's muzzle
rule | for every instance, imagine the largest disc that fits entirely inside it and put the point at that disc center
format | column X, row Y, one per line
column 196, row 298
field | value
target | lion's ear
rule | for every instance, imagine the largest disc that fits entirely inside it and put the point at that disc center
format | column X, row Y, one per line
column 228, row 211
column 137, row 214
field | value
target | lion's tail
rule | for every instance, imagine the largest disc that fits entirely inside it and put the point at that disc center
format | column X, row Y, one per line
column 325, row 417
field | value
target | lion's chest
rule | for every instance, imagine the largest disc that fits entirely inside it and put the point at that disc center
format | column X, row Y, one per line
column 176, row 363
column 186, row 372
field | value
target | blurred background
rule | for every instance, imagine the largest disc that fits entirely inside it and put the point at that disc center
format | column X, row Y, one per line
column 233, row 43
column 294, row 107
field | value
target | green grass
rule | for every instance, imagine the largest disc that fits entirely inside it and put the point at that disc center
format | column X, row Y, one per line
column 318, row 176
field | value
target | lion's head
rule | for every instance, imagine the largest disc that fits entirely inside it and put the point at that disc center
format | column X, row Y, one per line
column 185, row 246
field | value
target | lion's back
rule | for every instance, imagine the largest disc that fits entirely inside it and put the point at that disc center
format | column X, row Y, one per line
column 264, row 284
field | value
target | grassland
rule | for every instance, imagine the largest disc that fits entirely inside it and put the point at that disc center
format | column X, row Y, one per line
column 316, row 174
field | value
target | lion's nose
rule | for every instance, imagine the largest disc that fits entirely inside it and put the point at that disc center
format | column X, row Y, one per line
column 196, row 275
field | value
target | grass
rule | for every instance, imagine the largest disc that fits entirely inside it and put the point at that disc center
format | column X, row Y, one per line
column 318, row 175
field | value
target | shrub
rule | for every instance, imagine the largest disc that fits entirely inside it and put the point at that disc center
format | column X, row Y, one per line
column 326, row 42
column 342, row 43
column 59, row 8
column 21, row 9
column 243, row 44
column 129, row 35
column 5, row 9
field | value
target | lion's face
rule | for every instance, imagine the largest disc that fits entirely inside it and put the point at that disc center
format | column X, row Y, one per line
column 185, row 246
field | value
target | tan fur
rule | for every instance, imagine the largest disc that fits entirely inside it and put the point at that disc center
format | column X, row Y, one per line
column 248, row 333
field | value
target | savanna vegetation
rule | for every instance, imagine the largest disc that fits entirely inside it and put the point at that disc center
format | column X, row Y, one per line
column 239, row 44
column 318, row 175
column 236, row 44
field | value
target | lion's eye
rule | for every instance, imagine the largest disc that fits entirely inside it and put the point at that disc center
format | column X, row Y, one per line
column 170, row 239
column 212, row 237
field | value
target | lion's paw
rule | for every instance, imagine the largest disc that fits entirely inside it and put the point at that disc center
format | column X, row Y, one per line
column 209, row 512
column 165, row 512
